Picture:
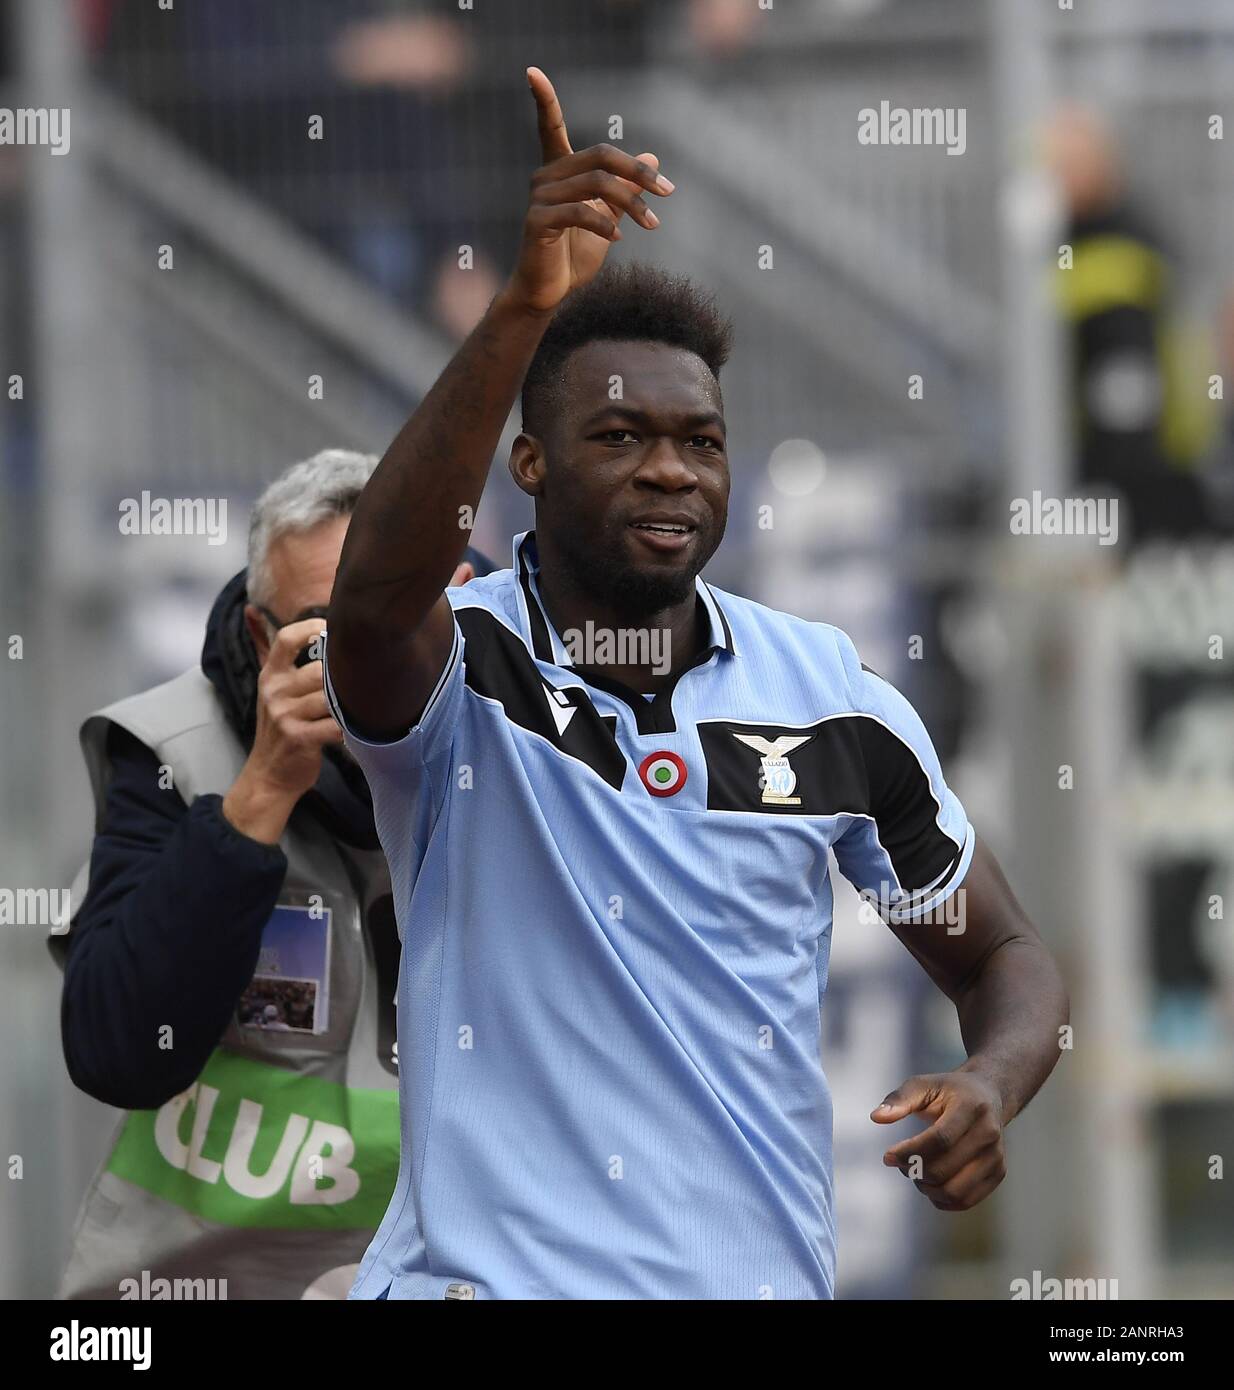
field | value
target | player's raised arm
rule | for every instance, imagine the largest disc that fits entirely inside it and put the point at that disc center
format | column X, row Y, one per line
column 390, row 627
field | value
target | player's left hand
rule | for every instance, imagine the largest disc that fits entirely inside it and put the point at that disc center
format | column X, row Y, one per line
column 959, row 1160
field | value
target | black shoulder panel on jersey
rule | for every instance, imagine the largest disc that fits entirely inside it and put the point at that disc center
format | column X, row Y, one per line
column 847, row 765
column 499, row 667
column 904, row 807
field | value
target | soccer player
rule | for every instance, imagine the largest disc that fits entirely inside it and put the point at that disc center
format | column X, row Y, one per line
column 610, row 871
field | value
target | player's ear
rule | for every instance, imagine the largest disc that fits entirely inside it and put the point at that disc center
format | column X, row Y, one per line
column 527, row 464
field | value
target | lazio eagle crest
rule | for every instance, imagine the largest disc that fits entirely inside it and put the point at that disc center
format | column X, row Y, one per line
column 779, row 781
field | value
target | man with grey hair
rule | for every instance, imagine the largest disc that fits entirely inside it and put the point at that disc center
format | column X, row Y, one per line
column 230, row 971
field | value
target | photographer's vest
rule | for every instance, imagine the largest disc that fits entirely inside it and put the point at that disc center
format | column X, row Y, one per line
column 275, row 1168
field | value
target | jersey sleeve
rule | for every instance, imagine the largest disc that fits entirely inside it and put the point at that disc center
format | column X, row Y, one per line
column 427, row 741
column 911, row 849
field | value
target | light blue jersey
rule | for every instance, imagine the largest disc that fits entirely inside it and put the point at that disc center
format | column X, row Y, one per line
column 616, row 919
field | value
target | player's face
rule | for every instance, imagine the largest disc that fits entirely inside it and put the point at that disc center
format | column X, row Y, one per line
column 634, row 492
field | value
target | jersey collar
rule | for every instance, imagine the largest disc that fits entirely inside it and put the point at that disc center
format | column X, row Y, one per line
column 542, row 636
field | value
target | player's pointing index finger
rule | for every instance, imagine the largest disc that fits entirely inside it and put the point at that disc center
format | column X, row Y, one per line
column 554, row 142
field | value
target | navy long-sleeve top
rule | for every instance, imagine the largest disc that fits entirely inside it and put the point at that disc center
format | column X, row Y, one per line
column 167, row 937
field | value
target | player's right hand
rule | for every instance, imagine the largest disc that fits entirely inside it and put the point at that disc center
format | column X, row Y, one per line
column 577, row 201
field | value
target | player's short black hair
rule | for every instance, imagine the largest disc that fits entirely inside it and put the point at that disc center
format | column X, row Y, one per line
column 631, row 302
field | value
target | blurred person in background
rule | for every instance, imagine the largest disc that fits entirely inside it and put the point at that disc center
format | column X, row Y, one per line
column 385, row 184
column 236, row 870
column 1220, row 473
column 421, row 142
column 1139, row 429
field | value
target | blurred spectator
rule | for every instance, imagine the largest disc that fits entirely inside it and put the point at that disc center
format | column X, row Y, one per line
column 1220, row 476
column 1140, row 428
column 428, row 133
column 722, row 28
column 385, row 186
